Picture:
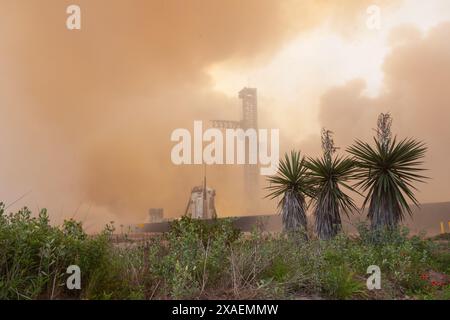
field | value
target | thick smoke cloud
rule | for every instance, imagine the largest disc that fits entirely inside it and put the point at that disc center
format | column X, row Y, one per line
column 88, row 114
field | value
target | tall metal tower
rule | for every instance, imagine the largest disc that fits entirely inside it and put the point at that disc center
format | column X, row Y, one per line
column 249, row 121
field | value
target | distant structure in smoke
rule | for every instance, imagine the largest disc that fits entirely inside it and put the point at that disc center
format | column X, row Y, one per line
column 249, row 121
column 156, row 215
column 201, row 204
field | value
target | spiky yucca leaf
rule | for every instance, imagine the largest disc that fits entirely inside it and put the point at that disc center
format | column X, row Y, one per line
column 328, row 177
column 387, row 174
column 291, row 184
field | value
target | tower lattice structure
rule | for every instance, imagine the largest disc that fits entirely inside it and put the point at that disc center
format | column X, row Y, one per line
column 249, row 121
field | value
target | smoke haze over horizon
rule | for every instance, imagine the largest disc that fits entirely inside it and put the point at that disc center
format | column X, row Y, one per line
column 88, row 114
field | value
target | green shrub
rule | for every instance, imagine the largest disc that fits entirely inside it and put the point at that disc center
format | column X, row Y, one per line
column 279, row 270
column 195, row 256
column 340, row 283
column 34, row 255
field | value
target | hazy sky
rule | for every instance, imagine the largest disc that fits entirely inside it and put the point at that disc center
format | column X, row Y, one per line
column 87, row 114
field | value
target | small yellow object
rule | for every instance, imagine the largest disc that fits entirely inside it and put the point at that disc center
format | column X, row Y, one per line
column 449, row 226
column 442, row 228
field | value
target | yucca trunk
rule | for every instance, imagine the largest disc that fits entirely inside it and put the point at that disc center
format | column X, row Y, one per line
column 384, row 212
column 293, row 212
column 327, row 217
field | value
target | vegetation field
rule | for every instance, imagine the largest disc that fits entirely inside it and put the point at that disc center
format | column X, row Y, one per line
column 195, row 260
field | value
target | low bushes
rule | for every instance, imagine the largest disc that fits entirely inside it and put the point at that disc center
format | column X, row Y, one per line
column 197, row 260
column 34, row 255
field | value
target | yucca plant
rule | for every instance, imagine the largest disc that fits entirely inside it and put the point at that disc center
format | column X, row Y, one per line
column 387, row 172
column 329, row 176
column 291, row 184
